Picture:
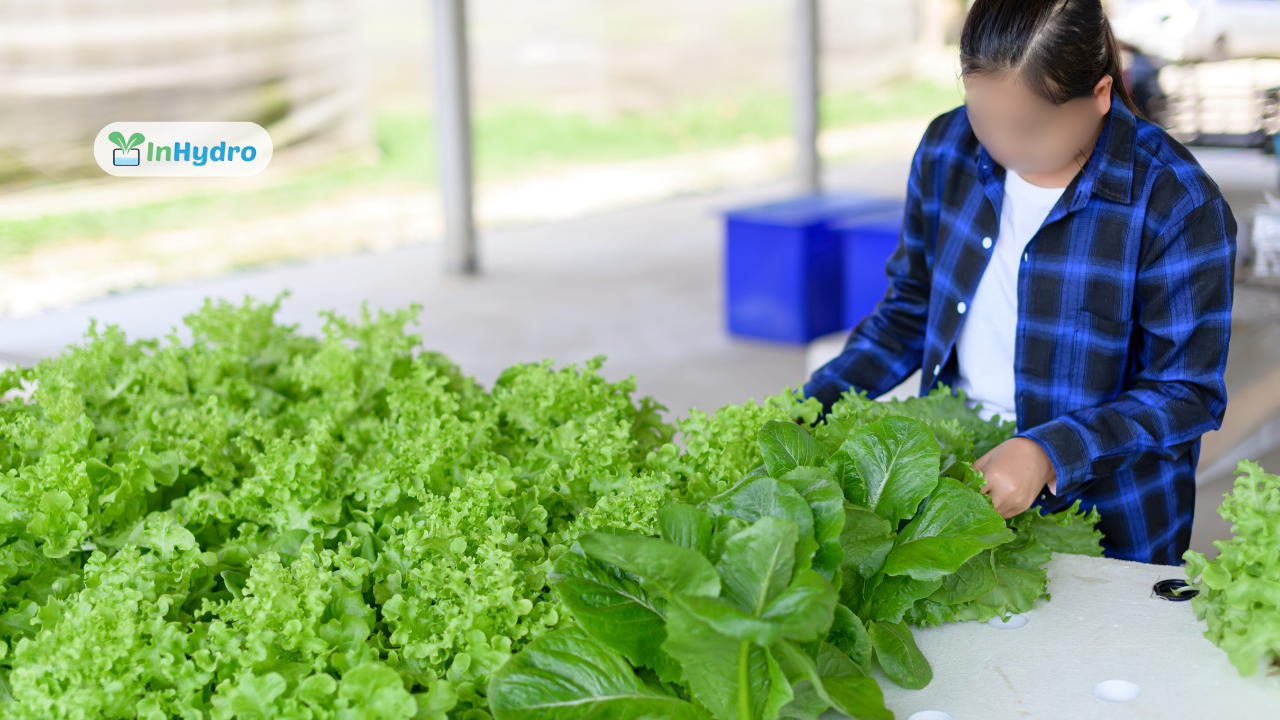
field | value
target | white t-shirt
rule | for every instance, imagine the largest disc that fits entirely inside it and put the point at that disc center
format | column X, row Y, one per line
column 988, row 335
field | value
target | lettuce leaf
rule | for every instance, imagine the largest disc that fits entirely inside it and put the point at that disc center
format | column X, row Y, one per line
column 1240, row 590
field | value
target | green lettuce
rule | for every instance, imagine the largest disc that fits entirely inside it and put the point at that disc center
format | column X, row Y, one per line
column 1239, row 592
column 723, row 615
column 246, row 521
column 362, row 512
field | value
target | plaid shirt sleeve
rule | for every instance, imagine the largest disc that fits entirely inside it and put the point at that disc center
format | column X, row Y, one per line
column 1177, row 393
column 887, row 345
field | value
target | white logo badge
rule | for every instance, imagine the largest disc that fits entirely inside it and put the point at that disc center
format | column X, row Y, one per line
column 182, row 149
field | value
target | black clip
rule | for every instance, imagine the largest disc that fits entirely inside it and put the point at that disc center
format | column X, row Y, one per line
column 1174, row 590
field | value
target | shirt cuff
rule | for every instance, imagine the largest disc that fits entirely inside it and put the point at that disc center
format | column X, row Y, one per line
column 824, row 391
column 1066, row 451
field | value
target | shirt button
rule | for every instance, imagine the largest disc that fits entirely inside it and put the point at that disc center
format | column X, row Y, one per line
column 936, row 370
column 1025, row 256
column 986, row 243
column 961, row 307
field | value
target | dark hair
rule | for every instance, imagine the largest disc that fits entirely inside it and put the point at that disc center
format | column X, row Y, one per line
column 1059, row 49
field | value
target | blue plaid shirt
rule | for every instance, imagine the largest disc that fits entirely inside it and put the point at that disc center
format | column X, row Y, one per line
column 1124, row 317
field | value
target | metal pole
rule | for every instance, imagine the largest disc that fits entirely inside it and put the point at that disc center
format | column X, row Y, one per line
column 453, row 137
column 808, row 164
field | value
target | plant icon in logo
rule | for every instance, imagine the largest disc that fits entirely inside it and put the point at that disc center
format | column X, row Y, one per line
column 127, row 152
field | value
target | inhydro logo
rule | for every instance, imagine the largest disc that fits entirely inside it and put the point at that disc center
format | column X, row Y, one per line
column 126, row 152
column 182, row 149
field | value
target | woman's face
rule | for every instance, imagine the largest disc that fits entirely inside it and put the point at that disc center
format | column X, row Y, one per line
column 1027, row 133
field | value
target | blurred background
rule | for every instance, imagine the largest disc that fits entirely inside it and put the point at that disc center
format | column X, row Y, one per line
column 610, row 138
column 661, row 97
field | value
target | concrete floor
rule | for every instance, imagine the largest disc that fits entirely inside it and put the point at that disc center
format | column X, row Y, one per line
column 642, row 286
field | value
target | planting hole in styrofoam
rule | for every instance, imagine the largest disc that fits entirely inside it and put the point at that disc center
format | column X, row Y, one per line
column 929, row 715
column 1116, row 691
column 1009, row 622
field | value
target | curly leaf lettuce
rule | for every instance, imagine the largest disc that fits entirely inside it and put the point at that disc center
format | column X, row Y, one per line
column 247, row 521
column 1240, row 590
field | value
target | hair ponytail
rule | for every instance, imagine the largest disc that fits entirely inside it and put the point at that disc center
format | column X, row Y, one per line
column 1059, row 48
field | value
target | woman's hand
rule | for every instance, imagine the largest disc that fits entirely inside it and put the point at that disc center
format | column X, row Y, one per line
column 1016, row 471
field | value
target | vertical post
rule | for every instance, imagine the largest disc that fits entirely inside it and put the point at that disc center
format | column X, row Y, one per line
column 805, row 113
column 453, row 137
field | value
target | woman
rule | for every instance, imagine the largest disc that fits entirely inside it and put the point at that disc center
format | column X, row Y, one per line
column 1065, row 263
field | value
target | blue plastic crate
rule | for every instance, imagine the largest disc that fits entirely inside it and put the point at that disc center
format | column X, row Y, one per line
column 783, row 266
column 866, row 243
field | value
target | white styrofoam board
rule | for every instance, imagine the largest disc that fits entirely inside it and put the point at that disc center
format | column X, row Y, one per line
column 1103, row 623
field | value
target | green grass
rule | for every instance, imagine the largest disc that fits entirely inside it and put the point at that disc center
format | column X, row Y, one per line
column 510, row 142
column 521, row 139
